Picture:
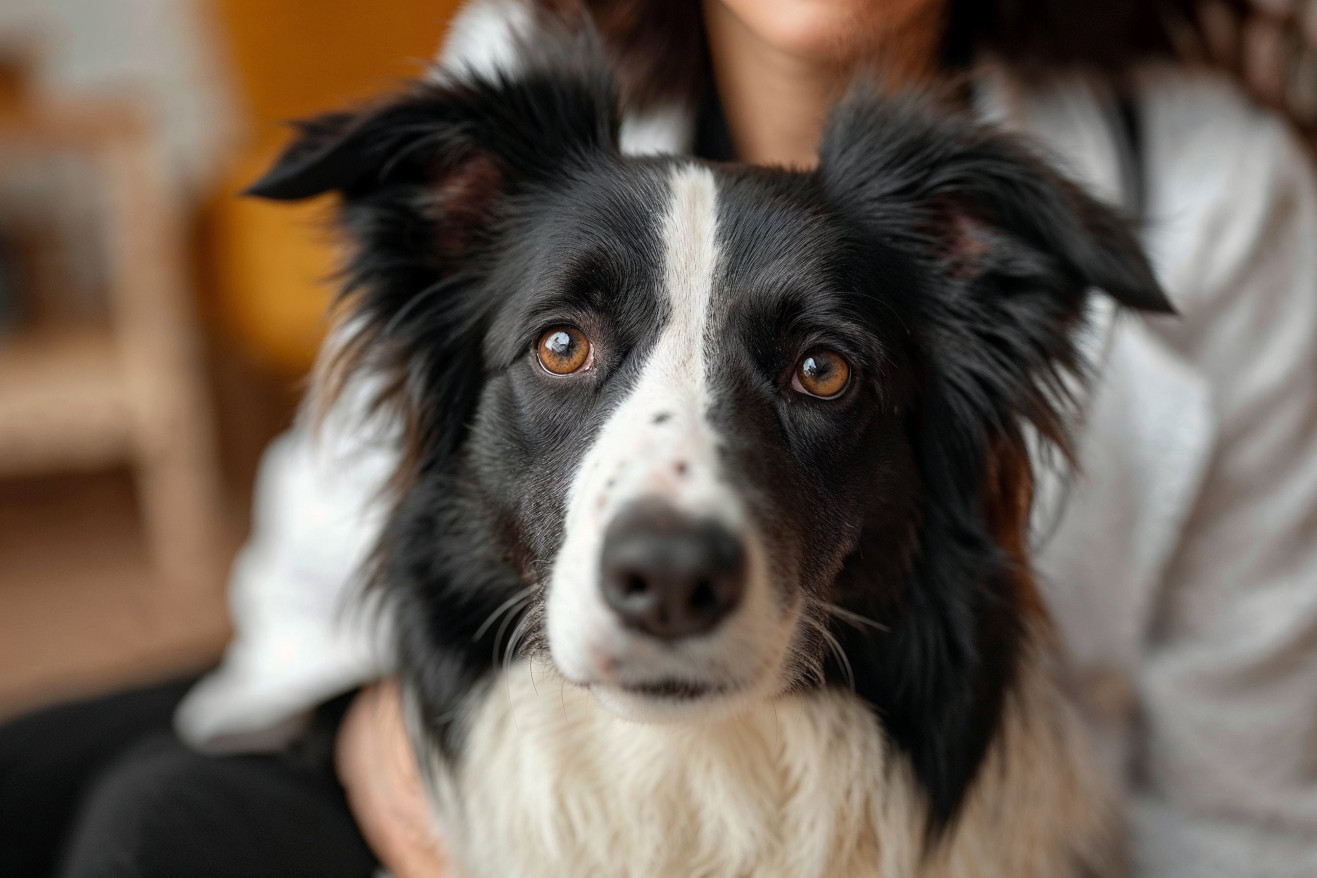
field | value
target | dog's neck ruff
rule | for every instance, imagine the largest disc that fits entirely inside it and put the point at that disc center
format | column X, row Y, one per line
column 552, row 784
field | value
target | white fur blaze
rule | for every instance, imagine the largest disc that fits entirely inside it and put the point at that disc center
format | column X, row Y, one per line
column 659, row 443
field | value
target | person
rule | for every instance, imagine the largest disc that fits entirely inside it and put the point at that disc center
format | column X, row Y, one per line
column 1181, row 555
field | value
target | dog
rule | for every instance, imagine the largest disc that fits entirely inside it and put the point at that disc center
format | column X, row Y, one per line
column 709, row 554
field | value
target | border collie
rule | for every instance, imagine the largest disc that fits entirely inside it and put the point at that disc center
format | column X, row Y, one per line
column 709, row 556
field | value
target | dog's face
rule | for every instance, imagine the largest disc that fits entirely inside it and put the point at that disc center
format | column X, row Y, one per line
column 693, row 410
column 698, row 433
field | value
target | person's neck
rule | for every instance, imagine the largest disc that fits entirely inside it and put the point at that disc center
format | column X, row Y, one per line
column 775, row 103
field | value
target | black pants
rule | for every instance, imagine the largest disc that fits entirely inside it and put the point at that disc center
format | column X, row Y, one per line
column 103, row 789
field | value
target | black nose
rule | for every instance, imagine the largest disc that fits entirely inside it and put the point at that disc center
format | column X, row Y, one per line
column 668, row 575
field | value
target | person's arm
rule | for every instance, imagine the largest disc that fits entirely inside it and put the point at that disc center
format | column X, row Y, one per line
column 377, row 767
column 302, row 633
column 1229, row 680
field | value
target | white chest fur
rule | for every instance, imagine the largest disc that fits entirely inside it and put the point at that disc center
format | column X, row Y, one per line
column 551, row 784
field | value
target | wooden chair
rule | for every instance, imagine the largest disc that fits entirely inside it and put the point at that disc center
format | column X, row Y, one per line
column 130, row 391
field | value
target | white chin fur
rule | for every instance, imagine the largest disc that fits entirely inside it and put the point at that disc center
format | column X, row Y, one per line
column 804, row 786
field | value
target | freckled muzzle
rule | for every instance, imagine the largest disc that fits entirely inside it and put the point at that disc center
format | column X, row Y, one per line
column 661, row 599
column 668, row 575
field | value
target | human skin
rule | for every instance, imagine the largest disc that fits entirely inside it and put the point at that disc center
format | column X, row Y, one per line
column 778, row 65
column 377, row 767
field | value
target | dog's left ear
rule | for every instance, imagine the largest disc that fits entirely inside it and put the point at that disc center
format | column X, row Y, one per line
column 1010, row 251
column 979, row 200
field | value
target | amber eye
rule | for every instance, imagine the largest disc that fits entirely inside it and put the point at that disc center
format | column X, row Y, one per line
column 564, row 350
column 822, row 373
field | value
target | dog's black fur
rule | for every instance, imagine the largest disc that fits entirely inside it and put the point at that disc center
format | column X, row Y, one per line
column 944, row 259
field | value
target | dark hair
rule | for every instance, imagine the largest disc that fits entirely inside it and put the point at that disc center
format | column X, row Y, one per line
column 660, row 52
column 1107, row 36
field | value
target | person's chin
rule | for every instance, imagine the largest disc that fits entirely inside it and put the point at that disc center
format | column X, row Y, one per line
column 815, row 30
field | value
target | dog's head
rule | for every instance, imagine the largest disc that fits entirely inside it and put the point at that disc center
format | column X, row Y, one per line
column 700, row 434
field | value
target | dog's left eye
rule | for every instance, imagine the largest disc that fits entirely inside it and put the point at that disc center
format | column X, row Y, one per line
column 564, row 350
column 822, row 373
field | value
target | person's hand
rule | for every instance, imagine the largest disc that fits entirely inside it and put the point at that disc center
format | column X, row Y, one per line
column 377, row 767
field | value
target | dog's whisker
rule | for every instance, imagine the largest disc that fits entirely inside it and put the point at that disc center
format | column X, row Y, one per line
column 835, row 648
column 523, row 626
column 518, row 613
column 514, row 641
column 853, row 618
column 502, row 608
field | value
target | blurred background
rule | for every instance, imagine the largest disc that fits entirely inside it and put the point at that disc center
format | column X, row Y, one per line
column 154, row 328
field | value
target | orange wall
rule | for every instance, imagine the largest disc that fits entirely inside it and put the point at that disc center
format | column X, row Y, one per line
column 297, row 57
column 294, row 58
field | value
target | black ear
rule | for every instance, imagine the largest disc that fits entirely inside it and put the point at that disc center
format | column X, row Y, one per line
column 1009, row 250
column 919, row 172
column 1006, row 251
column 527, row 123
column 318, row 160
column 428, row 181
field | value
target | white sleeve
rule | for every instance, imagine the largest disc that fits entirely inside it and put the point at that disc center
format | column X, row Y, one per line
column 303, row 629
column 1228, row 682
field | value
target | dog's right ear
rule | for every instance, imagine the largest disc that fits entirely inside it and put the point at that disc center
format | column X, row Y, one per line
column 527, row 126
column 447, row 152
column 426, row 181
column 551, row 96
column 318, row 160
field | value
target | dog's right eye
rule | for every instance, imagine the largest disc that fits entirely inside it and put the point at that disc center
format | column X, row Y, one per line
column 564, row 350
column 822, row 373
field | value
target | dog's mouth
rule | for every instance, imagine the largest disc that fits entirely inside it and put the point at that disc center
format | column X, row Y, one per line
column 673, row 690
column 669, row 699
